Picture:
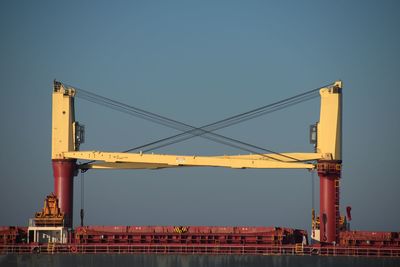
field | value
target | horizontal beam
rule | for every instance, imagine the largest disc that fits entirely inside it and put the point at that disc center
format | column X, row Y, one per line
column 125, row 166
column 154, row 161
column 286, row 157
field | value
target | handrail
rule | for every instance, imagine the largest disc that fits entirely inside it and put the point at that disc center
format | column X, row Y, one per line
column 212, row 249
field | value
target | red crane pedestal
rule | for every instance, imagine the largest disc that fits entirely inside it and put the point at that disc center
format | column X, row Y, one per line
column 63, row 171
column 329, row 174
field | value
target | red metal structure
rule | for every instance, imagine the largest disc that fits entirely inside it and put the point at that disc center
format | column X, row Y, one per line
column 329, row 174
column 216, row 235
column 63, row 171
column 202, row 240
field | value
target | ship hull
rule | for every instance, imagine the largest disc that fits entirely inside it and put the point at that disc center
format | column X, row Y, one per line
column 100, row 260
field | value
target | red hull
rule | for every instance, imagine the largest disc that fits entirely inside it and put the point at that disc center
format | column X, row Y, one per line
column 239, row 240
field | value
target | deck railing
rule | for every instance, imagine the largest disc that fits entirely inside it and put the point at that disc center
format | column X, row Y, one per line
column 210, row 249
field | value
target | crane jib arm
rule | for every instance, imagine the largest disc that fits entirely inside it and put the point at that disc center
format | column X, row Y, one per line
column 155, row 161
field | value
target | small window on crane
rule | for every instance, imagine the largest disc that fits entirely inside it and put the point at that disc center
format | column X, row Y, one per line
column 313, row 134
column 79, row 134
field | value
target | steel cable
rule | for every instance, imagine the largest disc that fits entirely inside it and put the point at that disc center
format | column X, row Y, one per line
column 205, row 130
column 190, row 131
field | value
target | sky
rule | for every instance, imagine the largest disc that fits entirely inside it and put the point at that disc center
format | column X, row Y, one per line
column 199, row 62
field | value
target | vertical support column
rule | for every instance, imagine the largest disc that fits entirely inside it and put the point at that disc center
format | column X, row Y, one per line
column 64, row 139
column 63, row 171
column 329, row 174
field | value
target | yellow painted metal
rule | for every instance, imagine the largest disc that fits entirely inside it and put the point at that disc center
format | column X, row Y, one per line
column 329, row 128
column 126, row 166
column 286, row 157
column 190, row 161
column 63, row 137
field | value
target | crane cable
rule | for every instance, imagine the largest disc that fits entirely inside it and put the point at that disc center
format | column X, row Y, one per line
column 214, row 137
column 312, row 189
column 168, row 122
column 193, row 131
column 200, row 131
column 173, row 123
column 208, row 129
column 82, row 197
column 313, row 216
column 205, row 130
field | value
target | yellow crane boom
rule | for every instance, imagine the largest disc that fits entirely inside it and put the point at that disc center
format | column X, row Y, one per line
column 113, row 160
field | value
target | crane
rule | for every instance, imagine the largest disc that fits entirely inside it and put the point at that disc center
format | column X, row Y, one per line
column 68, row 134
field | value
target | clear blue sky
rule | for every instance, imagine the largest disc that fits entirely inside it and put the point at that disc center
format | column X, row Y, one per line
column 197, row 62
